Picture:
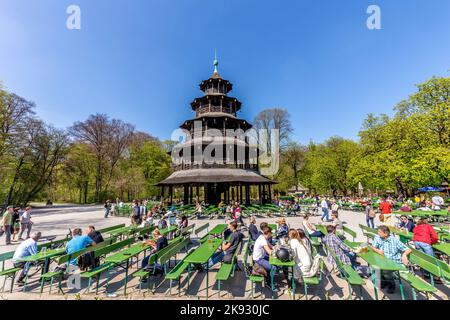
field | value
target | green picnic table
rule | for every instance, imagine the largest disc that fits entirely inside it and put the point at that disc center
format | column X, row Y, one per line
column 405, row 236
column 201, row 255
column 123, row 258
column 443, row 247
column 218, row 230
column 379, row 262
column 44, row 255
column 277, row 262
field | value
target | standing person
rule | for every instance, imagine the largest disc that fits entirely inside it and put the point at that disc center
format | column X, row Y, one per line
column 324, row 206
column 15, row 226
column 198, row 209
column 337, row 223
column 25, row 249
column 386, row 210
column 238, row 215
column 370, row 215
column 25, row 223
column 107, row 208
column 424, row 237
column 6, row 224
column 334, row 207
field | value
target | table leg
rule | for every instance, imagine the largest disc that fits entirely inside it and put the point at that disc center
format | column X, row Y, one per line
column 126, row 278
column 207, row 279
column 272, row 275
column 374, row 281
column 293, row 284
column 401, row 285
column 188, row 277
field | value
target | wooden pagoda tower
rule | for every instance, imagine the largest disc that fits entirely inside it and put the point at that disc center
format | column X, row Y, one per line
column 233, row 173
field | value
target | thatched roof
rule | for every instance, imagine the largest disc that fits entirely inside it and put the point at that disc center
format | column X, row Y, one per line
column 215, row 175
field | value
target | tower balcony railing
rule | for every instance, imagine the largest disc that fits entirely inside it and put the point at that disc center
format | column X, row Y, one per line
column 191, row 166
column 207, row 109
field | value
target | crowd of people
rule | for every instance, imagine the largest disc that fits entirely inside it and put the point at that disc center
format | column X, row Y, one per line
column 15, row 223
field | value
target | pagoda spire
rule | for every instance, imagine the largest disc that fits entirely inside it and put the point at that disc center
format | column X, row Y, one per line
column 216, row 62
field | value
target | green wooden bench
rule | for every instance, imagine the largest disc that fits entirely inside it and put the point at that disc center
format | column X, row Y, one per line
column 252, row 278
column 186, row 231
column 9, row 273
column 347, row 273
column 350, row 232
column 369, row 233
column 106, row 230
column 200, row 229
column 100, row 252
column 417, row 284
column 313, row 281
column 227, row 269
column 177, row 271
column 163, row 258
column 65, row 259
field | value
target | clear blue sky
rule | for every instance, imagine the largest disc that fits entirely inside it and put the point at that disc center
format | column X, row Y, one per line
column 142, row 60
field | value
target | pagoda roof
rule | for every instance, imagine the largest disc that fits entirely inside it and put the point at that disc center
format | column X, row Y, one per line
column 215, row 175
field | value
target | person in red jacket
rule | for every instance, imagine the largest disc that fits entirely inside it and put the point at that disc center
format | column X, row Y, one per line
column 424, row 237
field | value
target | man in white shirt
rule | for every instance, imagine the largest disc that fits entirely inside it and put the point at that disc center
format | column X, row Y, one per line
column 438, row 201
column 262, row 250
column 324, row 206
column 25, row 223
column 25, row 249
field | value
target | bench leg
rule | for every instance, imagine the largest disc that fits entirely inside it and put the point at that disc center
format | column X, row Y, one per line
column 98, row 280
column 59, row 285
column 414, row 293
column 42, row 285
column 12, row 283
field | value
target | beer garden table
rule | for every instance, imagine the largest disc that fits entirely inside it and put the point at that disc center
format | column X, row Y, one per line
column 277, row 262
column 381, row 263
column 201, row 255
column 443, row 247
column 44, row 255
column 218, row 230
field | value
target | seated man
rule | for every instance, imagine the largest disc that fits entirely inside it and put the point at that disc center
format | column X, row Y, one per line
column 88, row 261
column 389, row 246
column 343, row 252
column 78, row 242
column 262, row 251
column 227, row 249
column 25, row 249
column 95, row 235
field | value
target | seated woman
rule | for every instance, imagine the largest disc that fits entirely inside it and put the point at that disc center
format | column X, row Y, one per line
column 252, row 229
column 310, row 229
column 282, row 228
column 302, row 255
column 158, row 242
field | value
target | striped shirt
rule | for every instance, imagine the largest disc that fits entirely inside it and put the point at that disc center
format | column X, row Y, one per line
column 392, row 247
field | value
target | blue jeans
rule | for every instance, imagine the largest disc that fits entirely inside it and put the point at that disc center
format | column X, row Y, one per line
column 317, row 234
column 106, row 212
column 264, row 262
column 424, row 247
column 7, row 233
column 370, row 222
column 352, row 257
column 325, row 213
column 216, row 258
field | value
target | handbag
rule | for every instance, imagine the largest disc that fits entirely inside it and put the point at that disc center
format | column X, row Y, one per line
column 259, row 270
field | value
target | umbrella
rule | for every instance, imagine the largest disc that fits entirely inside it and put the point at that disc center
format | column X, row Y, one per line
column 431, row 189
